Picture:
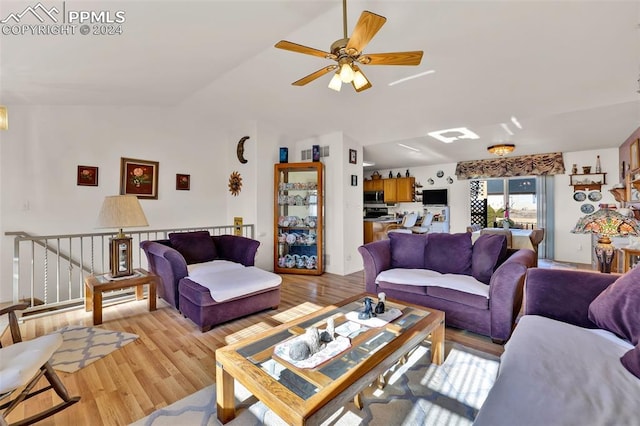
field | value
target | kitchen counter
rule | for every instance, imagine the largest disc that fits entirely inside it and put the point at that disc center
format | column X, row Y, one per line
column 376, row 229
column 382, row 220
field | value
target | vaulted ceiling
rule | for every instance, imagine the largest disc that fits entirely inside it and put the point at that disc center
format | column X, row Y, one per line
column 568, row 71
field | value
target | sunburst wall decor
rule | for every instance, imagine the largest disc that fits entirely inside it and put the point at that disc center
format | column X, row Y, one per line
column 235, row 183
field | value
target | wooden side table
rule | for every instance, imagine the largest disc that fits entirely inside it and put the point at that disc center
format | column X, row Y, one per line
column 95, row 285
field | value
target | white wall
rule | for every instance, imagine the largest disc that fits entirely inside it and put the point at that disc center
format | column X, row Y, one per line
column 40, row 153
column 343, row 203
column 577, row 247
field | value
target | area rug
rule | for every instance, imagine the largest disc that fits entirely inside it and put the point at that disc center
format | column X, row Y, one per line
column 83, row 345
column 416, row 393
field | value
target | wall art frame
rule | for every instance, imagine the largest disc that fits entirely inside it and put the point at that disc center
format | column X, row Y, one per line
column 183, row 182
column 353, row 156
column 87, row 176
column 139, row 177
column 634, row 155
column 354, row 180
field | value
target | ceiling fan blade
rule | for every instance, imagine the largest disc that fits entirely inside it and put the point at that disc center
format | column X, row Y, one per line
column 353, row 83
column 298, row 48
column 393, row 58
column 313, row 76
column 367, row 27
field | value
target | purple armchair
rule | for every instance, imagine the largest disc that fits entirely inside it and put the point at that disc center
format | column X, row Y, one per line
column 490, row 296
column 169, row 259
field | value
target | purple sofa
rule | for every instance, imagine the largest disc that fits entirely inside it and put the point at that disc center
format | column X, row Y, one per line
column 478, row 285
column 169, row 259
column 574, row 357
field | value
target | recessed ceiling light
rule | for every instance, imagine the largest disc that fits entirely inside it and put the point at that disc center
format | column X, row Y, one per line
column 411, row 77
column 506, row 128
column 516, row 122
column 462, row 133
column 409, row 147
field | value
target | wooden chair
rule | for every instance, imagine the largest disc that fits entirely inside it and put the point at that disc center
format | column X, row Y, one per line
column 499, row 231
column 536, row 237
column 22, row 365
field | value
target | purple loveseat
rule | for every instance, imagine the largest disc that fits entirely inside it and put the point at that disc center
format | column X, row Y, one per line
column 171, row 260
column 574, row 357
column 478, row 285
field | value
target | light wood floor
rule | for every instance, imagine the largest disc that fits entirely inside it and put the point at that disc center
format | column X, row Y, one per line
column 172, row 358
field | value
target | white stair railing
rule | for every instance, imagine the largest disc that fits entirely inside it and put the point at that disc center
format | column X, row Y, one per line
column 49, row 270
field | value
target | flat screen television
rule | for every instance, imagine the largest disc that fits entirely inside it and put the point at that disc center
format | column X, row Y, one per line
column 434, row 197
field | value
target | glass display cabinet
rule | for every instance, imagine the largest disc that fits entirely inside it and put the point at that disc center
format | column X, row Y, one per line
column 299, row 218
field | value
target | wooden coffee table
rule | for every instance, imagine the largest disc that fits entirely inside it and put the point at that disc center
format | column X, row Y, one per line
column 308, row 396
column 95, row 285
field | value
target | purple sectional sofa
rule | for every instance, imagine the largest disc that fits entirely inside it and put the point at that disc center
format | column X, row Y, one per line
column 478, row 286
column 172, row 260
column 574, row 357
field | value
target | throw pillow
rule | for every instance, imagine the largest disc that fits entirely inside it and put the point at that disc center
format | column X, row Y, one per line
column 487, row 251
column 407, row 250
column 195, row 247
column 448, row 253
column 616, row 308
column 631, row 361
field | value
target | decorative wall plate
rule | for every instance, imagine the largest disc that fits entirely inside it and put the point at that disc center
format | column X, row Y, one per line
column 430, row 181
column 440, row 173
column 587, row 208
column 235, row 183
column 595, row 196
column 449, row 179
column 579, row 196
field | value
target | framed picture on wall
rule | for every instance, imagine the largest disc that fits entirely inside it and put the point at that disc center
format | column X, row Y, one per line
column 634, row 153
column 87, row 176
column 139, row 177
column 354, row 180
column 183, row 182
column 353, row 156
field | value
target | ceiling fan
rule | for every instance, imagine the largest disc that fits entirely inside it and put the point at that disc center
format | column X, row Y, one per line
column 348, row 53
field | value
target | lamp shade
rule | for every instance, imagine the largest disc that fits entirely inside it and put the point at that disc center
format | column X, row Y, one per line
column 607, row 223
column 121, row 211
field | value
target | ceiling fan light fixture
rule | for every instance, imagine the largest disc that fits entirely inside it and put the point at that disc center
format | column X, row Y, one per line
column 4, row 118
column 346, row 73
column 501, row 149
column 336, row 82
column 359, row 80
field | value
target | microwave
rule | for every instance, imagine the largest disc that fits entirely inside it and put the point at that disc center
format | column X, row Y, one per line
column 374, row 197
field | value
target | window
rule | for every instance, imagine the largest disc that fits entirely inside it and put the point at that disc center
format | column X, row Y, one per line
column 491, row 197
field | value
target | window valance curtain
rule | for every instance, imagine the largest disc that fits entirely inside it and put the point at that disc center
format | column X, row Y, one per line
column 524, row 165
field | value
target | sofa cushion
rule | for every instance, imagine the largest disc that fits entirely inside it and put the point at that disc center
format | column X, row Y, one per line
column 428, row 278
column 631, row 361
column 195, row 246
column 487, row 252
column 457, row 296
column 448, row 253
column 554, row 373
column 407, row 250
column 616, row 308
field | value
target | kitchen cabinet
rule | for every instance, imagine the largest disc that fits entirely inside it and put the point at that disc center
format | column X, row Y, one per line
column 405, row 189
column 373, row 185
column 399, row 190
column 299, row 218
